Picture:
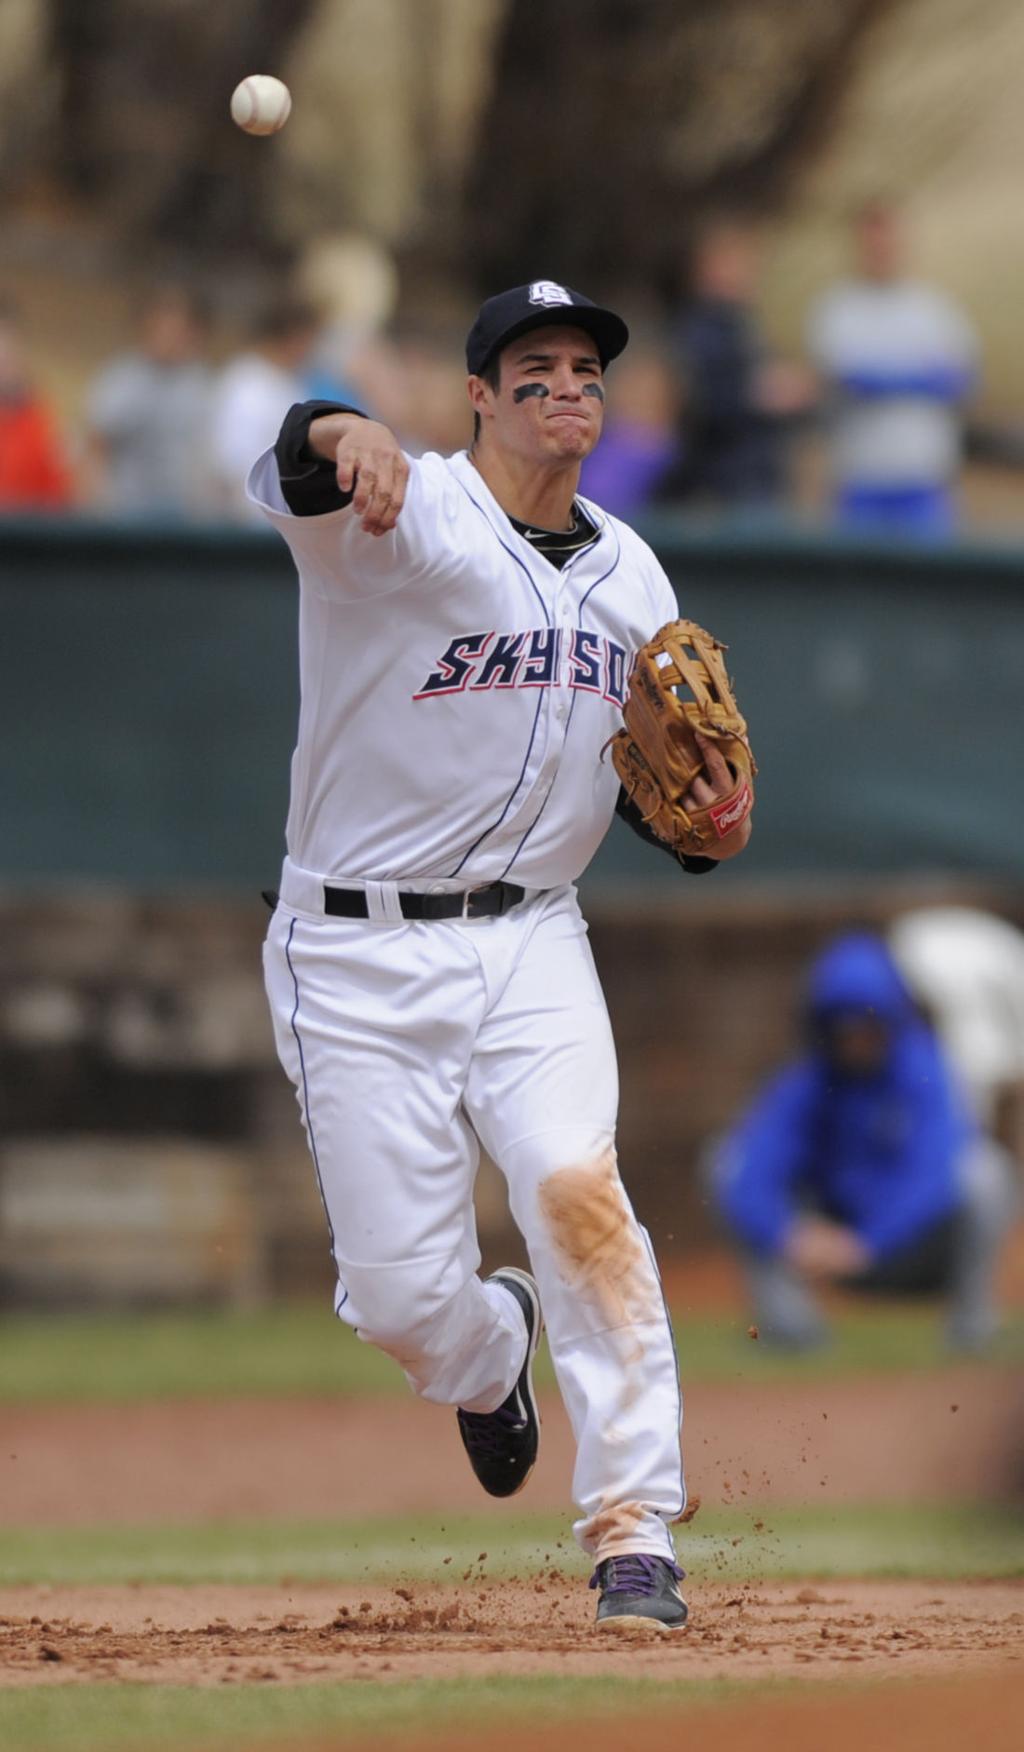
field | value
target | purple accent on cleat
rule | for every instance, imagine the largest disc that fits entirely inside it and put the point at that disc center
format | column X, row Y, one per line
column 636, row 1574
column 637, row 1586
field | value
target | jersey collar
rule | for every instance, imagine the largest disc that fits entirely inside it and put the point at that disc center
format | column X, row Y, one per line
column 505, row 529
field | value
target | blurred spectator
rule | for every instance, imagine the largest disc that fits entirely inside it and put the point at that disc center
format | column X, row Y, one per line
column 415, row 382
column 898, row 360
column 325, row 379
column 860, row 1164
column 254, row 393
column 352, row 280
column 640, row 440
column 739, row 402
column 33, row 472
column 966, row 968
column 147, row 415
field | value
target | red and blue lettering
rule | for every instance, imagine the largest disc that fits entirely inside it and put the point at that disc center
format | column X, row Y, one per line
column 541, row 659
column 585, row 661
column 471, row 662
column 502, row 663
column 455, row 665
column 615, row 675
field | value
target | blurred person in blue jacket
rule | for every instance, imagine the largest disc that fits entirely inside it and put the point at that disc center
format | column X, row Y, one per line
column 861, row 1163
column 897, row 360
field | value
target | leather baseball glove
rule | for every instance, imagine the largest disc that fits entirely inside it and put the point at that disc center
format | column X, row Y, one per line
column 657, row 755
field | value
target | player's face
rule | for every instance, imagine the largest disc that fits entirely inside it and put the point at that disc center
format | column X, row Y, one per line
column 549, row 404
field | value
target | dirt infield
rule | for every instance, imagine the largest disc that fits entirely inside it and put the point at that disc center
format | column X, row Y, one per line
column 932, row 1437
column 290, row 1634
column 924, row 1716
column 955, row 1432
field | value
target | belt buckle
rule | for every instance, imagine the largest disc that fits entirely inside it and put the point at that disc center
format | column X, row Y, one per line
column 469, row 897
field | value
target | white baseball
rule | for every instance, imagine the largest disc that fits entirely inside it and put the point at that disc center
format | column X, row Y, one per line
column 261, row 104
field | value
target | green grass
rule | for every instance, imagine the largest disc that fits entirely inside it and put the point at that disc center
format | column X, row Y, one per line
column 114, row 1718
column 951, row 1541
column 301, row 1349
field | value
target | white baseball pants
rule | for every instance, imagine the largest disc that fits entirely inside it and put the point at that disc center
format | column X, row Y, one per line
column 408, row 1042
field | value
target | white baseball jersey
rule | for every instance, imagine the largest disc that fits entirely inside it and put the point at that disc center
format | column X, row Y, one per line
column 457, row 688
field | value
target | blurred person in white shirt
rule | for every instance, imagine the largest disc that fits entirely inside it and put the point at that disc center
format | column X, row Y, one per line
column 967, row 968
column 255, row 391
column 898, row 360
column 147, row 414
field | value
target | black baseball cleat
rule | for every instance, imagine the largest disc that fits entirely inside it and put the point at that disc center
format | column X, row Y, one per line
column 639, row 1591
column 502, row 1445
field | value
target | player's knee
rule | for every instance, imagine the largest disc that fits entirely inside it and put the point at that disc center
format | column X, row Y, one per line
column 584, row 1199
column 582, row 1149
column 586, row 1215
column 392, row 1304
column 586, row 1226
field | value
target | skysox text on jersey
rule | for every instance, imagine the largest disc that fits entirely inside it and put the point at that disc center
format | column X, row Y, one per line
column 592, row 663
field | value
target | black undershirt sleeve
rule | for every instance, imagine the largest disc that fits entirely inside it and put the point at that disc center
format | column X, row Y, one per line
column 308, row 482
column 631, row 815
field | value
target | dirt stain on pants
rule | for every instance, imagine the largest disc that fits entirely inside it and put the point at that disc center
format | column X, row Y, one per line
column 602, row 1256
column 598, row 1243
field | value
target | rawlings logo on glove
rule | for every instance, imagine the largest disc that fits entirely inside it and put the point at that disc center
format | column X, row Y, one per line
column 728, row 815
column 658, row 756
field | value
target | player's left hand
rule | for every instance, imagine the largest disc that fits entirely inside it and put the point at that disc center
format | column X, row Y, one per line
column 719, row 782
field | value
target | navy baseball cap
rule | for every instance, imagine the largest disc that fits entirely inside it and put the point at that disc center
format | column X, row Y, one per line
column 541, row 303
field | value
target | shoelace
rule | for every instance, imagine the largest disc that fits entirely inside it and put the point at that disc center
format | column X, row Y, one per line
column 634, row 1573
column 487, row 1432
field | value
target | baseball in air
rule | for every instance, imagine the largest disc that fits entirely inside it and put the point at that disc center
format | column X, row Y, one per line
column 261, row 104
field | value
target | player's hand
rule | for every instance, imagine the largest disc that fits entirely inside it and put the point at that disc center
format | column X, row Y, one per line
column 716, row 782
column 820, row 1249
column 368, row 457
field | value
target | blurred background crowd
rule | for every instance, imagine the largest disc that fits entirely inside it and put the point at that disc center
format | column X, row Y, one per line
column 792, row 205
column 809, row 216
column 867, row 427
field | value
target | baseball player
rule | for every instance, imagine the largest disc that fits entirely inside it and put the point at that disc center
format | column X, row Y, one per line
column 467, row 627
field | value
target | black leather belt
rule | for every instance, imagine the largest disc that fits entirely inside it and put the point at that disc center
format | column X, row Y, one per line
column 475, row 903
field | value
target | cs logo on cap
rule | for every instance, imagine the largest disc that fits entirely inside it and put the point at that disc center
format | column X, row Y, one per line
column 549, row 292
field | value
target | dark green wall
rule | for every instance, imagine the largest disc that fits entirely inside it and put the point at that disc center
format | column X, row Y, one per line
column 882, row 686
column 148, row 702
